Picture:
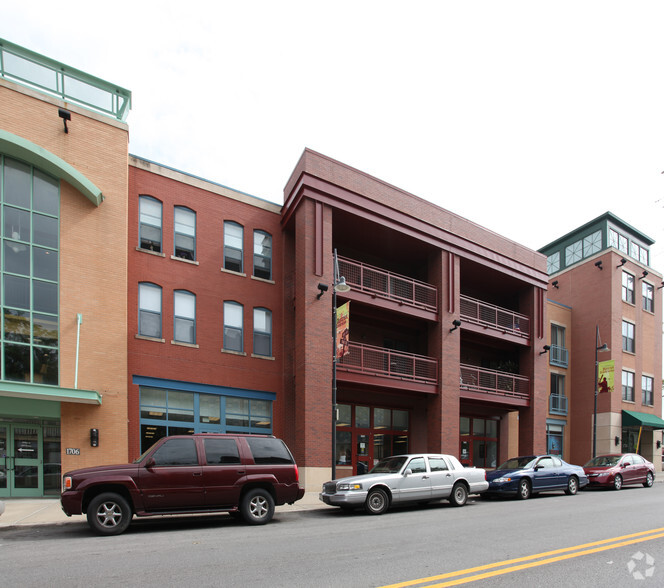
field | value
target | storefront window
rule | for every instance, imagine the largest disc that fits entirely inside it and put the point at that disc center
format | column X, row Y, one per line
column 478, row 444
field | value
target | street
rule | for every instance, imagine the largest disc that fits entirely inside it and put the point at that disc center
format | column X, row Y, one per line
column 595, row 538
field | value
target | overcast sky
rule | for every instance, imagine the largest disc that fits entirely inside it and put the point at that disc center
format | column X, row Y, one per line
column 529, row 118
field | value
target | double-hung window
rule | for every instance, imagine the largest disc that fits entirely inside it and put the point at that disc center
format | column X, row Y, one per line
column 628, row 386
column 149, row 230
column 262, row 255
column 149, row 310
column 648, row 293
column 646, row 391
column 262, row 332
column 628, row 337
column 233, row 248
column 185, row 233
column 184, row 319
column 628, row 287
column 233, row 327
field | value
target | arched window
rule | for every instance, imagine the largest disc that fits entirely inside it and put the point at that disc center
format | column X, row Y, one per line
column 233, row 246
column 262, row 255
column 262, row 332
column 233, row 326
column 149, row 310
column 184, row 238
column 149, row 229
column 184, row 317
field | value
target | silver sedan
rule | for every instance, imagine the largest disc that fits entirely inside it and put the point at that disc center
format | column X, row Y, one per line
column 403, row 479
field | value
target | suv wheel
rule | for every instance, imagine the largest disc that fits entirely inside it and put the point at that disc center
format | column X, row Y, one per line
column 109, row 514
column 257, row 506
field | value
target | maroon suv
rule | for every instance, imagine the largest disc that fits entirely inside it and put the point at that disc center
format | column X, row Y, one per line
column 245, row 475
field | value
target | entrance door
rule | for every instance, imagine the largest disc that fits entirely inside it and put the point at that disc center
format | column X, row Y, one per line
column 21, row 467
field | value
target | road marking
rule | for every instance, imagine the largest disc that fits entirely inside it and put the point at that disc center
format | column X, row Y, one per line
column 544, row 558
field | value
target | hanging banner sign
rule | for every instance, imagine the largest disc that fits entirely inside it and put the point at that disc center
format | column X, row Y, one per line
column 343, row 332
column 605, row 371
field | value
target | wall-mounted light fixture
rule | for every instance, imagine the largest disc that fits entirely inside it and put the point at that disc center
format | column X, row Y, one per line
column 599, row 264
column 65, row 115
column 660, row 287
column 645, row 273
column 659, row 444
column 555, row 284
column 323, row 288
column 94, row 437
column 617, row 440
column 623, row 261
column 456, row 323
column 545, row 348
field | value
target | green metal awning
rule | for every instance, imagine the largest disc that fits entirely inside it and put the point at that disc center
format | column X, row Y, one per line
column 55, row 393
column 632, row 418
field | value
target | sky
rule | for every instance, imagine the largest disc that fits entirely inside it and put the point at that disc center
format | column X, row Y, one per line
column 529, row 118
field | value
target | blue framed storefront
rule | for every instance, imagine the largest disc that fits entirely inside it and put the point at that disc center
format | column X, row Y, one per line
column 172, row 407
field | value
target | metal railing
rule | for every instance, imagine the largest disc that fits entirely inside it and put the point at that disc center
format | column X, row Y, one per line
column 379, row 282
column 558, row 404
column 378, row 361
column 494, row 382
column 31, row 69
column 558, row 356
column 492, row 316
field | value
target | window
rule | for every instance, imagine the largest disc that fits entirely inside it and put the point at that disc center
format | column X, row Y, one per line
column 592, row 243
column 184, row 237
column 628, row 386
column 149, row 310
column 262, row 255
column 648, row 293
column 628, row 287
column 29, row 280
column 618, row 240
column 553, row 263
column 233, row 239
column 233, row 327
column 438, row 464
column 417, row 465
column 558, row 354
column 184, row 319
column 554, row 438
column 149, row 230
column 628, row 337
column 262, row 332
column 573, row 253
column 557, row 399
column 221, row 451
column 176, row 452
column 646, row 391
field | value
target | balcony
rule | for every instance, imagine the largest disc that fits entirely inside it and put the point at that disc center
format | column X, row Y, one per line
column 558, row 404
column 558, row 356
column 489, row 316
column 394, row 367
column 494, row 386
column 378, row 282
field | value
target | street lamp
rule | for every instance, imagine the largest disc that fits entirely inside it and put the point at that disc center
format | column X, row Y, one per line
column 598, row 348
column 339, row 285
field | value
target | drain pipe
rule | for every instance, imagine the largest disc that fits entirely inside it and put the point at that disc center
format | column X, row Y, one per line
column 79, row 320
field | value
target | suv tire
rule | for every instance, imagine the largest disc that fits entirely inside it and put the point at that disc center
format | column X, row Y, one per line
column 109, row 514
column 257, row 506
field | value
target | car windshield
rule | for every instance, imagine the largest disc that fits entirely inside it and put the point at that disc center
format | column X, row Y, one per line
column 518, row 463
column 603, row 461
column 389, row 465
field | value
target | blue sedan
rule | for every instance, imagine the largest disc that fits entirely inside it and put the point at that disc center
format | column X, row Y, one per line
column 530, row 474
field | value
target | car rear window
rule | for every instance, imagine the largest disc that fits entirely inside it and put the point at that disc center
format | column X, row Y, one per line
column 221, row 451
column 269, row 451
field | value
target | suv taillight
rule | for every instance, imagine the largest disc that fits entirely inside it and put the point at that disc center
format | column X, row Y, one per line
column 297, row 474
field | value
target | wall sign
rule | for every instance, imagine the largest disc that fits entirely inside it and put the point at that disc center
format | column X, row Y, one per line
column 73, row 451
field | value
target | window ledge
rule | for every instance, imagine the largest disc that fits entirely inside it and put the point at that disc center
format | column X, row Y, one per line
column 189, row 261
column 183, row 344
column 268, row 357
column 146, row 338
column 157, row 253
column 262, row 280
column 234, row 352
column 243, row 275
column 629, row 401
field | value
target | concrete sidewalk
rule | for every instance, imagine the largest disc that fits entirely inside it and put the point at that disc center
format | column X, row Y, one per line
column 47, row 511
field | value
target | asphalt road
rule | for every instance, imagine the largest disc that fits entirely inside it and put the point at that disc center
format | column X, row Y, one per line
column 596, row 538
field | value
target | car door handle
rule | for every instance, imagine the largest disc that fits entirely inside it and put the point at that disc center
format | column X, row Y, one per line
column 241, row 472
column 425, row 477
column 198, row 473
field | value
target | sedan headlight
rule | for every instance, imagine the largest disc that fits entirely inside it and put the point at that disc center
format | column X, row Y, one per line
column 502, row 480
column 347, row 487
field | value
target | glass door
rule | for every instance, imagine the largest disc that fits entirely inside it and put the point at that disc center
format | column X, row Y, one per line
column 21, row 460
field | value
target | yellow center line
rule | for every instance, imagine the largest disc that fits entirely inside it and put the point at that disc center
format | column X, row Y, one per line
column 553, row 556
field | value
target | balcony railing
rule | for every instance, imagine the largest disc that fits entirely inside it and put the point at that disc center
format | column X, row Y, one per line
column 379, row 282
column 491, row 316
column 494, row 382
column 558, row 404
column 378, row 361
column 558, row 356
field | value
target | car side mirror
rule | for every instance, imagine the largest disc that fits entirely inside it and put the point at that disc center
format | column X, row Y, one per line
column 408, row 472
column 149, row 463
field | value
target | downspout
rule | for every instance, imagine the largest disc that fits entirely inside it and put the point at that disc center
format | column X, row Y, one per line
column 79, row 320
